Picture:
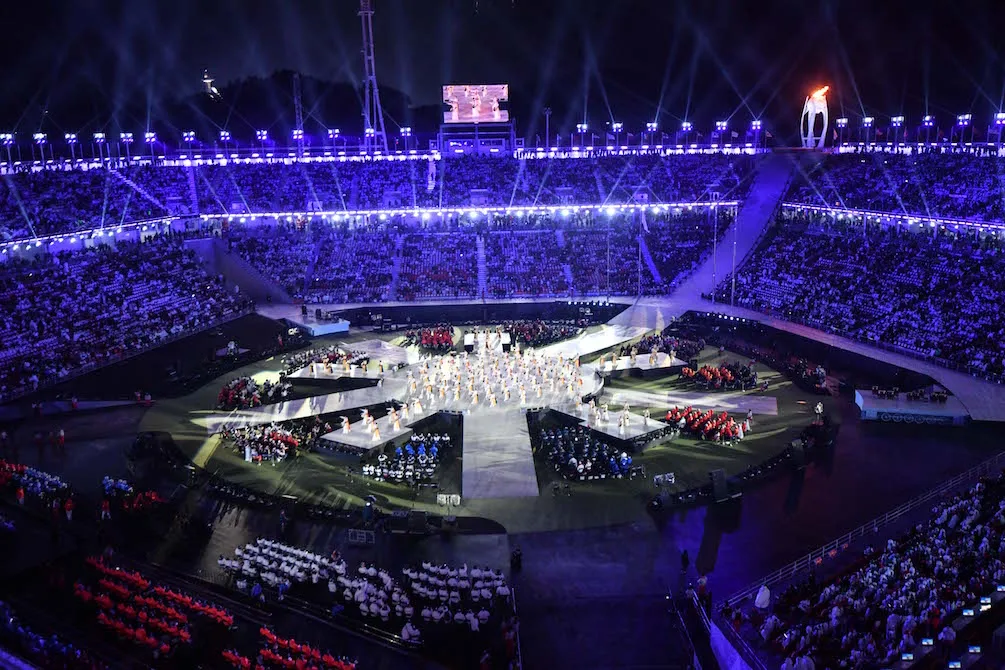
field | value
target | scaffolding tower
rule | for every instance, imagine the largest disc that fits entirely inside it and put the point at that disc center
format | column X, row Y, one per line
column 374, row 137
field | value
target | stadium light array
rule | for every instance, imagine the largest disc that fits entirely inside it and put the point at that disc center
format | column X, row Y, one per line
column 897, row 121
column 867, row 121
column 7, row 139
column 225, row 136
column 99, row 138
column 406, row 131
column 721, row 126
column 298, row 135
column 126, row 138
column 963, row 120
column 755, row 124
column 71, row 138
column 687, row 126
column 582, row 127
column 369, row 132
column 40, row 138
column 1000, row 119
column 261, row 135
column 652, row 126
column 617, row 126
column 928, row 121
column 842, row 122
column 333, row 133
column 149, row 137
column 188, row 136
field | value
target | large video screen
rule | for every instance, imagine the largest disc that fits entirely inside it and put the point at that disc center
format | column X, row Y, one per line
column 470, row 103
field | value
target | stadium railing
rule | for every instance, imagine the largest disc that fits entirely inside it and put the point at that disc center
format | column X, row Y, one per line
column 840, row 544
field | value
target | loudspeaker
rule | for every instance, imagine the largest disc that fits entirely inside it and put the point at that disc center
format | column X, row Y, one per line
column 720, row 488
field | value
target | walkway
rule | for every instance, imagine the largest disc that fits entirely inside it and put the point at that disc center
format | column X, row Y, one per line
column 756, row 213
column 498, row 461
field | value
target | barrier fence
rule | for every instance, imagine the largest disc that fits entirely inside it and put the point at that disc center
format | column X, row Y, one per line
column 834, row 547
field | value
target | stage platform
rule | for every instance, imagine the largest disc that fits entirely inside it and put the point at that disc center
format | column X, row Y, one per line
column 901, row 410
column 360, row 441
column 637, row 431
column 498, row 460
column 622, row 366
column 309, row 323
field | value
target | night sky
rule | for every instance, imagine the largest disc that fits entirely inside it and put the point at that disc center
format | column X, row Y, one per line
column 628, row 60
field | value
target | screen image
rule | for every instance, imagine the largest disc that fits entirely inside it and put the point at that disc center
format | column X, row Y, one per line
column 475, row 103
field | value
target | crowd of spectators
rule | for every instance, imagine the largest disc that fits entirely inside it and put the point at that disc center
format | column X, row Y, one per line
column 438, row 265
column 538, row 333
column 885, row 606
column 57, row 201
column 435, row 338
column 54, row 322
column 48, row 651
column 939, row 182
column 524, row 263
column 576, row 453
column 415, row 462
column 245, row 393
column 281, row 253
column 353, row 265
column 327, row 357
column 923, row 291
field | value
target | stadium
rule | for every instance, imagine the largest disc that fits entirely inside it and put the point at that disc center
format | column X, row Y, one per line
column 684, row 393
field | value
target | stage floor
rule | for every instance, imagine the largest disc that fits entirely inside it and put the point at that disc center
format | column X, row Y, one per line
column 637, row 427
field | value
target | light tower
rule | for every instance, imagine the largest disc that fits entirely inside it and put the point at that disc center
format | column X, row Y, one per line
column 374, row 136
column 298, row 110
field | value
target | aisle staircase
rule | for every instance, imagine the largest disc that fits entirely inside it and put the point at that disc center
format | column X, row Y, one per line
column 560, row 238
column 600, row 186
column 142, row 191
column 650, row 263
column 354, row 192
column 392, row 290
column 193, row 192
column 482, row 268
column 771, row 180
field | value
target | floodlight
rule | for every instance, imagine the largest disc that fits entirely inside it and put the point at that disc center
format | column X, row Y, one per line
column 224, row 135
column 963, row 120
column 99, row 138
column 406, row 131
column 686, row 126
column 652, row 126
column 581, row 127
column 71, row 138
column 867, row 121
column 333, row 133
column 369, row 132
column 897, row 121
column 1000, row 119
column 39, row 138
column 928, row 121
column 7, row 139
column 842, row 122
column 261, row 135
column 755, row 124
column 298, row 134
column 149, row 137
column 126, row 138
column 721, row 125
column 617, row 126
column 188, row 136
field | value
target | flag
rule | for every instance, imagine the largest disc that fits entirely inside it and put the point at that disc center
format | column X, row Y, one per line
column 879, row 132
column 610, row 138
column 835, row 135
column 767, row 133
column 735, row 134
column 905, row 134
